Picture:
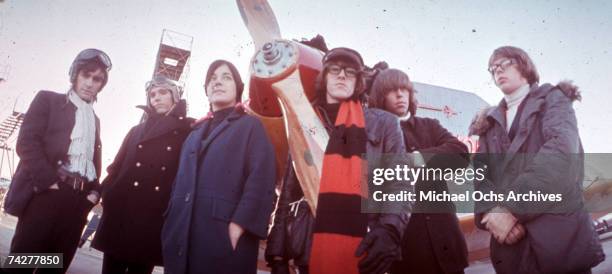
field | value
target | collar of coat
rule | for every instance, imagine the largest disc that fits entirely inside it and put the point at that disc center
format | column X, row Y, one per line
column 239, row 110
column 485, row 118
column 179, row 110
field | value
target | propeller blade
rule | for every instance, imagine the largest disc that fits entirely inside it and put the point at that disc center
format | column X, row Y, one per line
column 306, row 134
column 260, row 20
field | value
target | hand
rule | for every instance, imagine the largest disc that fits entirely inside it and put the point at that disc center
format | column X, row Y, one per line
column 63, row 174
column 499, row 221
column 381, row 248
column 54, row 186
column 417, row 159
column 279, row 267
column 235, row 231
column 516, row 234
column 93, row 198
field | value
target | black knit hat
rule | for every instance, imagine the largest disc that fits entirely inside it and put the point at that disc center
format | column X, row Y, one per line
column 345, row 54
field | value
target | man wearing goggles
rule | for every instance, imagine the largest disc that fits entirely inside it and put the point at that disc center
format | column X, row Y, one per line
column 56, row 182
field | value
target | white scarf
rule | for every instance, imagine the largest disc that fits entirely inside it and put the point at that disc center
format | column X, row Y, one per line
column 513, row 100
column 82, row 138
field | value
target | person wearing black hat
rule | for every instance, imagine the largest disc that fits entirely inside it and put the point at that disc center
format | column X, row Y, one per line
column 137, row 188
column 224, row 189
column 341, row 239
column 56, row 182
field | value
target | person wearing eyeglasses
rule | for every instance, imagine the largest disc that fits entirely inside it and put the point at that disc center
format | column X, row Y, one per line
column 341, row 239
column 56, row 182
column 529, row 143
column 137, row 188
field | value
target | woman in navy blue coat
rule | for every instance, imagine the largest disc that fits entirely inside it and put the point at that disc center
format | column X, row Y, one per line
column 223, row 192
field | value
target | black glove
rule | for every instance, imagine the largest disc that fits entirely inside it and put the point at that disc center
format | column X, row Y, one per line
column 382, row 247
column 279, row 267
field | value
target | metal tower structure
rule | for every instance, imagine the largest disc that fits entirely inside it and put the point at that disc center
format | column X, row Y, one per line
column 8, row 127
column 173, row 56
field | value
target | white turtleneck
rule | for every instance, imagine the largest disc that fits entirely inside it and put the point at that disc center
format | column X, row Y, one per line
column 513, row 100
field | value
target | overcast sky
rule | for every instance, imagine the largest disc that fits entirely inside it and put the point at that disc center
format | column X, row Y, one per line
column 445, row 43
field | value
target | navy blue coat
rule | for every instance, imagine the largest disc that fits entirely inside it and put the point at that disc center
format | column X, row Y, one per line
column 227, row 177
column 42, row 146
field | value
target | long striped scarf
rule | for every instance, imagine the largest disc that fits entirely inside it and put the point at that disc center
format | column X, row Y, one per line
column 340, row 226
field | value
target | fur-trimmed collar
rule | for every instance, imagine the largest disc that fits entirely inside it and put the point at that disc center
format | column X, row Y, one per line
column 481, row 124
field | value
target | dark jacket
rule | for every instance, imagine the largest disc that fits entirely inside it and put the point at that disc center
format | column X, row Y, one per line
column 433, row 241
column 384, row 136
column 42, row 146
column 541, row 156
column 138, row 185
column 227, row 177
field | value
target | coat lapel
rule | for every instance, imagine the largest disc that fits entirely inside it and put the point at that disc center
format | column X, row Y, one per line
column 498, row 115
column 220, row 128
column 167, row 123
column 163, row 126
column 533, row 105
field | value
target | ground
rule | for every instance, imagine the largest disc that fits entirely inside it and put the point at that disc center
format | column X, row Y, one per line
column 88, row 260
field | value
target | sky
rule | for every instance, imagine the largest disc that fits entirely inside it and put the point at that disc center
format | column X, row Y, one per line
column 444, row 43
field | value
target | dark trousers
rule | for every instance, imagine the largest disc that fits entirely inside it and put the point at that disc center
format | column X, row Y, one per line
column 52, row 222
column 112, row 265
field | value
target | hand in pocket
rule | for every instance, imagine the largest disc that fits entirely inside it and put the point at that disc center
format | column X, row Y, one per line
column 235, row 231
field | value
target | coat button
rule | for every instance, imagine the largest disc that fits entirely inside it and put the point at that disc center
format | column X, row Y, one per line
column 156, row 188
column 135, row 183
column 163, row 168
column 181, row 118
column 169, row 148
column 59, row 163
column 176, row 132
column 138, row 164
column 140, row 146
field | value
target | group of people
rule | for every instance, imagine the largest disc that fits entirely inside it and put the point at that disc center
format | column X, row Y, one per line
column 197, row 196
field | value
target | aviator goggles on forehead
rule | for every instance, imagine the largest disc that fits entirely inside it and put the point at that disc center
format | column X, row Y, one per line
column 89, row 54
column 160, row 81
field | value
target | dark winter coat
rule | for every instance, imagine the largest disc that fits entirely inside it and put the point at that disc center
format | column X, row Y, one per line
column 541, row 156
column 384, row 136
column 433, row 242
column 42, row 146
column 227, row 177
column 137, row 188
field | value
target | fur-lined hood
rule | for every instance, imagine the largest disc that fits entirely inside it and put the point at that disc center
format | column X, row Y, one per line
column 480, row 123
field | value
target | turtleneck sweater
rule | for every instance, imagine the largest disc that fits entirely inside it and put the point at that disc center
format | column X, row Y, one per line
column 513, row 100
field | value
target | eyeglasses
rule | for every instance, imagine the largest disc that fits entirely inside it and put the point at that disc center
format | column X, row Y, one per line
column 503, row 65
column 89, row 54
column 348, row 71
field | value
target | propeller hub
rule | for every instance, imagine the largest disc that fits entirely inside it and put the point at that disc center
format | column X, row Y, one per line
column 271, row 53
column 274, row 58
